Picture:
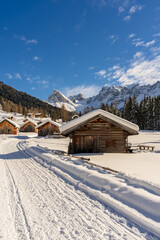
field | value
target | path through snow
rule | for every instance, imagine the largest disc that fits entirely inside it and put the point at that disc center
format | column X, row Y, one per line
column 36, row 203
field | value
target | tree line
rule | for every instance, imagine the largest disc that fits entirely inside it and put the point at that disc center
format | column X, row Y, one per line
column 146, row 113
column 12, row 100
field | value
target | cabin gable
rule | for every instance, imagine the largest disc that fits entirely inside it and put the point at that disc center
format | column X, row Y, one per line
column 47, row 129
column 28, row 127
column 7, row 128
column 98, row 135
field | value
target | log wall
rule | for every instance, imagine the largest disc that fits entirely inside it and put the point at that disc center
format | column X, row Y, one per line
column 98, row 136
column 7, row 128
column 28, row 127
column 48, row 129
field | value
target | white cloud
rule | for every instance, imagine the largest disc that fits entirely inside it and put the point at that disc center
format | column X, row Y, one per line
column 44, row 82
column 87, row 91
column 9, row 76
column 138, row 55
column 141, row 70
column 148, row 44
column 18, row 76
column 33, row 88
column 113, row 38
column 35, row 58
column 155, row 50
column 135, row 8
column 91, row 68
column 32, row 41
column 131, row 35
column 114, row 67
column 139, row 42
column 156, row 35
column 101, row 74
column 121, row 9
column 29, row 79
column 127, row 18
column 27, row 41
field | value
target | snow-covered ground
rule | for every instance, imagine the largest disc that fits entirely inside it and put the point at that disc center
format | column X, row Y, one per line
column 142, row 165
column 49, row 196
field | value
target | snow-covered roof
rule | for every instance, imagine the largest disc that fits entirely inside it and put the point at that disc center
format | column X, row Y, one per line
column 124, row 124
column 28, row 114
column 28, row 120
column 10, row 121
column 48, row 121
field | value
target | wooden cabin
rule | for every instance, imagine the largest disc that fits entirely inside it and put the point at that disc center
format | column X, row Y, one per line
column 98, row 131
column 7, row 126
column 48, row 128
column 28, row 126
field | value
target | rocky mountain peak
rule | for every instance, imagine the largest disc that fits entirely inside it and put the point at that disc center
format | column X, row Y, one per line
column 77, row 98
column 107, row 95
column 57, row 96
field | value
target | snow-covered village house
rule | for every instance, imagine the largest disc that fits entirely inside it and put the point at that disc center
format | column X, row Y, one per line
column 48, row 127
column 38, row 115
column 99, row 131
column 28, row 126
column 7, row 126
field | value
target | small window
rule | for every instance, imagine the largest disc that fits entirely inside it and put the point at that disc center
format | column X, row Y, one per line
column 110, row 143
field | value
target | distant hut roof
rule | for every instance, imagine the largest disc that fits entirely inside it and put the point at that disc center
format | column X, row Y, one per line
column 28, row 120
column 10, row 121
column 48, row 121
column 25, row 120
column 38, row 114
column 124, row 124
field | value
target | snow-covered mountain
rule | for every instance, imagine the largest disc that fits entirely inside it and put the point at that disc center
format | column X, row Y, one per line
column 56, row 98
column 114, row 94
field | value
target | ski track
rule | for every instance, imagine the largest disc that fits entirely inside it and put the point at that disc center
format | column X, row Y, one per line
column 42, row 205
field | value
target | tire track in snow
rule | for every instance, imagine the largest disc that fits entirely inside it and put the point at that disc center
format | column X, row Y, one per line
column 55, row 199
column 99, row 218
column 20, row 221
column 133, row 215
column 115, row 229
column 38, row 173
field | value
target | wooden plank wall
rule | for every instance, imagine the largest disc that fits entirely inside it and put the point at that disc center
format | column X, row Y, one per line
column 28, row 127
column 99, row 136
column 48, row 129
column 7, row 128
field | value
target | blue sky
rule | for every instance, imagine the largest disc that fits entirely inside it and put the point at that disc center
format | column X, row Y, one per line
column 78, row 45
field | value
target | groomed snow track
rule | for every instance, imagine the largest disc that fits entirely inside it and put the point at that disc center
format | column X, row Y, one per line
column 41, row 200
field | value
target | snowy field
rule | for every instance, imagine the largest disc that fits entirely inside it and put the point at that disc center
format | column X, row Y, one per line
column 144, row 165
column 49, row 196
